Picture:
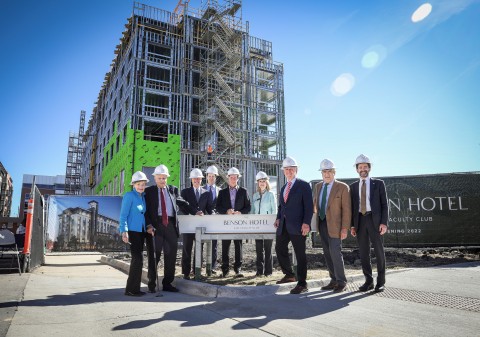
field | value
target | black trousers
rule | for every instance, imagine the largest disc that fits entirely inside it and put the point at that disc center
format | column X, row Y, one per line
column 238, row 255
column 188, row 240
column 368, row 233
column 281, row 248
column 166, row 240
column 134, row 280
column 264, row 256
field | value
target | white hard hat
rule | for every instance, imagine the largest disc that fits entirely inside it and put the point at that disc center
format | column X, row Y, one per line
column 234, row 170
column 261, row 175
column 139, row 176
column 289, row 162
column 326, row 164
column 362, row 159
column 161, row 169
column 196, row 173
column 213, row 170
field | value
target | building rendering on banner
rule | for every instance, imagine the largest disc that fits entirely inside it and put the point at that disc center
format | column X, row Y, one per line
column 188, row 88
column 80, row 228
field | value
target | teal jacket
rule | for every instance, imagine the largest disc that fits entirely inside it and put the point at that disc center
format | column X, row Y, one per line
column 132, row 213
column 267, row 204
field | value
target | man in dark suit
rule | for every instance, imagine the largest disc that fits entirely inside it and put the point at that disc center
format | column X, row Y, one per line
column 233, row 200
column 200, row 203
column 212, row 188
column 369, row 221
column 163, row 202
column 295, row 210
column 332, row 204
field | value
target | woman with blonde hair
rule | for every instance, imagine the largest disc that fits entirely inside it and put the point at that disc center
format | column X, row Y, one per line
column 133, row 230
column 263, row 202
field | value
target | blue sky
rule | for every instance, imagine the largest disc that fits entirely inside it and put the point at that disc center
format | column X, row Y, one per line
column 416, row 111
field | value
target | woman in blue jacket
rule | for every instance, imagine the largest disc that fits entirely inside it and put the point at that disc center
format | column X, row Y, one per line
column 263, row 202
column 133, row 229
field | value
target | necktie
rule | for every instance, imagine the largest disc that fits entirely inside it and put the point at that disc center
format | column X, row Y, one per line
column 289, row 185
column 323, row 202
column 363, row 199
column 164, row 208
column 197, row 195
column 211, row 193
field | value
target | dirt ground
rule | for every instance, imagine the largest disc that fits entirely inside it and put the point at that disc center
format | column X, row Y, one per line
column 396, row 258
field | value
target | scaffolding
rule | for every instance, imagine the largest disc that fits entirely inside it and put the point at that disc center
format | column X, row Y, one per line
column 74, row 159
column 196, row 74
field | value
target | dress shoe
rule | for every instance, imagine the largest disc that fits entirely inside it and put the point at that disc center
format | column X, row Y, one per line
column 238, row 273
column 286, row 279
column 214, row 272
column 366, row 287
column 152, row 290
column 330, row 286
column 299, row 289
column 268, row 275
column 137, row 294
column 225, row 273
column 379, row 288
column 186, row 277
column 170, row 288
column 340, row 288
column 258, row 274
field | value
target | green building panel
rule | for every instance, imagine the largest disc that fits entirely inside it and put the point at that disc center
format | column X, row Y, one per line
column 133, row 155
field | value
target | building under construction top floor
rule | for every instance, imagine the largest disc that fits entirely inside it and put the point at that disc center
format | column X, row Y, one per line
column 189, row 89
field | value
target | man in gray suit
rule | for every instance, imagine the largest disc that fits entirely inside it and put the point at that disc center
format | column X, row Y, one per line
column 369, row 221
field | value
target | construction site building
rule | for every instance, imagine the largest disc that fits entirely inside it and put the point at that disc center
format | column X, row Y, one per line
column 189, row 89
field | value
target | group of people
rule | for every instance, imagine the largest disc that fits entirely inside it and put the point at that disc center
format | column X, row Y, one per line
column 149, row 215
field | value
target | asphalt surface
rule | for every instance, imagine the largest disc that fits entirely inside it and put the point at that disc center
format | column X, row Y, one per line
column 80, row 295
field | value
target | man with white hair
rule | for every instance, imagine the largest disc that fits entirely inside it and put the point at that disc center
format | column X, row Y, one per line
column 331, row 202
column 163, row 202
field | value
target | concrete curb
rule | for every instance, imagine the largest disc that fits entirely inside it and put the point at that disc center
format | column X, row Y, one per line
column 202, row 289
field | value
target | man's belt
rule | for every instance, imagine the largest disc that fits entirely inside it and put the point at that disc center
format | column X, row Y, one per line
column 366, row 213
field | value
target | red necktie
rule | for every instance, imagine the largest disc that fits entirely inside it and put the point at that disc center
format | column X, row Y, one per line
column 164, row 208
column 289, row 185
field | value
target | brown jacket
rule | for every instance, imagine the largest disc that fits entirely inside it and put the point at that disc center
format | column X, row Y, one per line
column 339, row 208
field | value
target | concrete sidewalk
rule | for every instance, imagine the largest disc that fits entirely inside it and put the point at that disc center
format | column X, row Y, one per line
column 78, row 296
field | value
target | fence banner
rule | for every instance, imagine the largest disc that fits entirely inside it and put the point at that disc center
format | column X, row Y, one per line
column 431, row 210
column 83, row 223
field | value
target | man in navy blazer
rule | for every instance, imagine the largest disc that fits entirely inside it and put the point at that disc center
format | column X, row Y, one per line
column 212, row 188
column 233, row 200
column 200, row 203
column 295, row 210
column 369, row 221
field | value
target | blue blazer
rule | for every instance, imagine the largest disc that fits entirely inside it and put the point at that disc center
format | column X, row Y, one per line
column 264, row 205
column 378, row 202
column 132, row 213
column 297, row 210
column 204, row 204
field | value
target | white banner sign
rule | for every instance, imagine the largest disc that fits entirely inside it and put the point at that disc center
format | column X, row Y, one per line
column 243, row 223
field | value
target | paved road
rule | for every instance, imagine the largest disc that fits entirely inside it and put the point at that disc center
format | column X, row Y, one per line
column 79, row 296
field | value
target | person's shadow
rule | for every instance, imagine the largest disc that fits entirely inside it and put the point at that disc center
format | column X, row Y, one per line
column 252, row 312
column 257, row 312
